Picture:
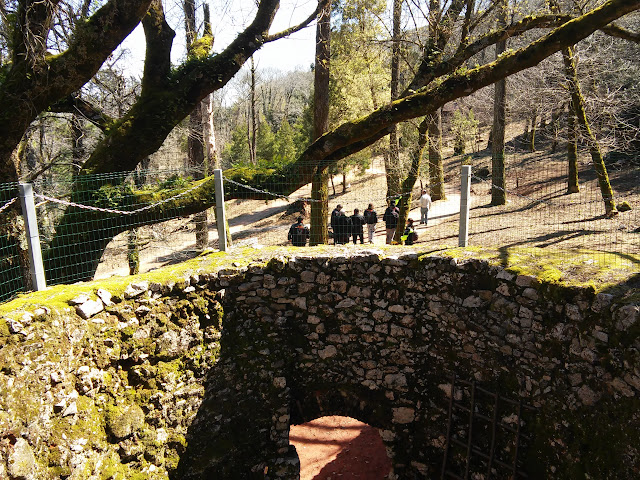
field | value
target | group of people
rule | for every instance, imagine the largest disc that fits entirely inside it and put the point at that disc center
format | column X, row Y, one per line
column 346, row 227
column 392, row 213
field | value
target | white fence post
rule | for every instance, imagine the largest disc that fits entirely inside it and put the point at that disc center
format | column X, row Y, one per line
column 33, row 238
column 465, row 194
column 221, row 218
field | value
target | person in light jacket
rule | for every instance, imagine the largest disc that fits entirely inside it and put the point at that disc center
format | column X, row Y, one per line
column 425, row 205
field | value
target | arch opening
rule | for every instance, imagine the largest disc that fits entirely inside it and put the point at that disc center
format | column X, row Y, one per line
column 333, row 447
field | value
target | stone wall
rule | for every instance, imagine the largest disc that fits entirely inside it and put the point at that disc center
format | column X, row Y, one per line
column 157, row 391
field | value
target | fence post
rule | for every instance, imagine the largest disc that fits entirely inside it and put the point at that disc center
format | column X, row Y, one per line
column 221, row 218
column 465, row 194
column 33, row 238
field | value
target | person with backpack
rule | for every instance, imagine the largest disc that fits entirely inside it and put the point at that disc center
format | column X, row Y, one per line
column 370, row 218
column 357, row 222
column 298, row 234
column 410, row 236
column 390, row 219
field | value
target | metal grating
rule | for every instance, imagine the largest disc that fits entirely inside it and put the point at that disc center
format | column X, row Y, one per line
column 484, row 434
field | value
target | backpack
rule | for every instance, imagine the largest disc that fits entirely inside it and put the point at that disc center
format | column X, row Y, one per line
column 298, row 233
column 370, row 217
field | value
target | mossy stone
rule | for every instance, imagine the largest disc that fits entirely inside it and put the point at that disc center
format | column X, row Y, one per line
column 123, row 421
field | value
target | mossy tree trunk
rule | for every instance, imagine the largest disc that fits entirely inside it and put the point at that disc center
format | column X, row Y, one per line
column 498, row 180
column 577, row 100
column 319, row 208
column 436, row 168
column 393, row 167
column 196, row 159
column 410, row 181
column 320, row 183
column 572, row 151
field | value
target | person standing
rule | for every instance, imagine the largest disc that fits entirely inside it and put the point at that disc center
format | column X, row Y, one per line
column 425, row 205
column 370, row 218
column 343, row 228
column 298, row 234
column 357, row 221
column 390, row 219
column 334, row 222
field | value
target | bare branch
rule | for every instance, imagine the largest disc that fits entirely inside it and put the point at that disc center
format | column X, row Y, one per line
column 296, row 28
column 88, row 111
column 619, row 32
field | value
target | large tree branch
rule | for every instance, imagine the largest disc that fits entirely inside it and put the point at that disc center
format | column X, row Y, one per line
column 88, row 111
column 199, row 77
column 143, row 129
column 93, row 41
column 159, row 38
column 467, row 51
column 366, row 130
column 26, row 92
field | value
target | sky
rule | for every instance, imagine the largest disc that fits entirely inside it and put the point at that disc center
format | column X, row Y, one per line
column 228, row 18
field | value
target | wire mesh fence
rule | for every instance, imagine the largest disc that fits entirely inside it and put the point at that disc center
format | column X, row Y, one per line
column 11, row 280
column 540, row 212
column 95, row 226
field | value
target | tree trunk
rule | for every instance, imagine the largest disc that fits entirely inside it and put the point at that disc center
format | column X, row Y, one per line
column 133, row 252
column 594, row 148
column 319, row 208
column 498, row 183
column 344, row 182
column 436, row 169
column 532, row 138
column 572, row 151
column 555, row 124
column 319, row 185
column 412, row 176
column 196, row 162
column 393, row 167
column 253, row 122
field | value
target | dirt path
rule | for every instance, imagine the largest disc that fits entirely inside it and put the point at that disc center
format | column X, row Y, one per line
column 332, row 448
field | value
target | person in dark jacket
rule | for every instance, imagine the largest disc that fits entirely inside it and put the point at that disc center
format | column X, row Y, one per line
column 334, row 222
column 298, row 234
column 390, row 219
column 357, row 221
column 342, row 230
column 370, row 218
